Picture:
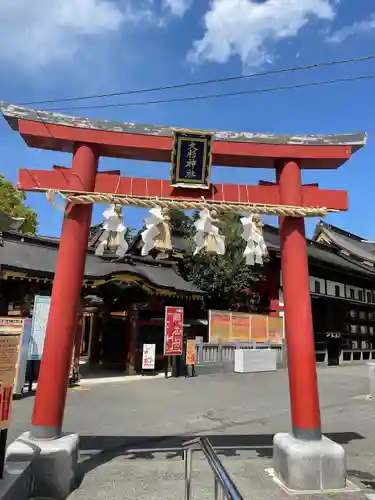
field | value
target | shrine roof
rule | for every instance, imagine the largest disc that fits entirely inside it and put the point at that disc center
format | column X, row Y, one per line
column 39, row 254
column 56, row 131
column 345, row 242
column 322, row 254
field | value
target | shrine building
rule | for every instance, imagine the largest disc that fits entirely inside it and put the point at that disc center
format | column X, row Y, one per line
column 342, row 272
column 123, row 299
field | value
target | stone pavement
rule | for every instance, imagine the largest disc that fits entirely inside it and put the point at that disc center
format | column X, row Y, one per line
column 131, row 433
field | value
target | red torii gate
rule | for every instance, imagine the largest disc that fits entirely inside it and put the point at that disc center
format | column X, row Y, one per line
column 89, row 139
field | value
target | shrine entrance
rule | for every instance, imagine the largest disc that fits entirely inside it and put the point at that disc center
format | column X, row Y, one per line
column 191, row 152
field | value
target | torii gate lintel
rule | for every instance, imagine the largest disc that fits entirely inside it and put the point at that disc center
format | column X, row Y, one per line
column 59, row 179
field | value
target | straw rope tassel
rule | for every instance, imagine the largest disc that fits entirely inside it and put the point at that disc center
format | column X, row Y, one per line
column 170, row 203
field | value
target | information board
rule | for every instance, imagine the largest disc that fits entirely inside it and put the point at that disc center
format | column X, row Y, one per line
column 9, row 357
column 240, row 327
column 191, row 352
column 23, row 357
column 259, row 328
column 148, row 358
column 275, row 330
column 219, row 326
column 13, row 326
column 173, row 331
column 39, row 326
column 227, row 326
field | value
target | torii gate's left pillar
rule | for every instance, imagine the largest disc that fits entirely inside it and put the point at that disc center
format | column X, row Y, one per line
column 62, row 321
column 56, row 459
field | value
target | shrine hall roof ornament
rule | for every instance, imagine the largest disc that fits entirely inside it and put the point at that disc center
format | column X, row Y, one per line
column 51, row 130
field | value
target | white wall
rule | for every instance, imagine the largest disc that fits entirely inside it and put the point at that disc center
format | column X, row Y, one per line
column 328, row 287
column 321, row 282
column 331, row 288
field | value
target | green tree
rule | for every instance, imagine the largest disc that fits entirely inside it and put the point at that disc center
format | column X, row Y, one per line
column 130, row 234
column 12, row 203
column 227, row 279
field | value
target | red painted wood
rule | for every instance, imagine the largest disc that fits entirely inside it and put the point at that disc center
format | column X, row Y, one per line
column 62, row 321
column 158, row 148
column 297, row 307
column 112, row 183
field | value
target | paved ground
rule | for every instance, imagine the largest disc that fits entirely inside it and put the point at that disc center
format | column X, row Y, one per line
column 131, row 432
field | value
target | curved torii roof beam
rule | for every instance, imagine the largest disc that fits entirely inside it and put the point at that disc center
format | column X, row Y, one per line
column 54, row 131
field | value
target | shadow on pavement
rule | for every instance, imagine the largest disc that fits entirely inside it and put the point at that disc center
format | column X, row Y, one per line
column 366, row 478
column 98, row 450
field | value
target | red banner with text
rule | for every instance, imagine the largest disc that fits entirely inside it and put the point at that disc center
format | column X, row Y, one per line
column 173, row 331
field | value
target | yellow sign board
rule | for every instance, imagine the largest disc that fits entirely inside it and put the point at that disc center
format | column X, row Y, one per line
column 227, row 326
column 191, row 352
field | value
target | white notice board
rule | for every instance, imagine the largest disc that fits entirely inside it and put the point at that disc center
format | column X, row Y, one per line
column 148, row 358
column 39, row 326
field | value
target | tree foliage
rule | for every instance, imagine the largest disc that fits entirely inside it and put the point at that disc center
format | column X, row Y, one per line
column 226, row 279
column 12, row 203
column 130, row 234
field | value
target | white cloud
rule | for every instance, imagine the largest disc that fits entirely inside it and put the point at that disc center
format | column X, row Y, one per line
column 352, row 30
column 177, row 7
column 250, row 28
column 40, row 33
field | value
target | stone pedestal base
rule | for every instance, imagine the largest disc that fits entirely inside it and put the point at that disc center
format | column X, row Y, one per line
column 17, row 482
column 53, row 463
column 309, row 465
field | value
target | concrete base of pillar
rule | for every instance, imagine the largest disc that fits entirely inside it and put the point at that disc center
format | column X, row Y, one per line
column 17, row 482
column 53, row 463
column 309, row 465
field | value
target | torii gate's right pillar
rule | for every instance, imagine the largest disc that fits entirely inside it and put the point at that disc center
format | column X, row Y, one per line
column 303, row 460
column 304, row 397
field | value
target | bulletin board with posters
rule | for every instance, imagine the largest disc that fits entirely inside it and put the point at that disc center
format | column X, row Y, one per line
column 148, row 356
column 11, row 332
column 191, row 346
column 227, row 326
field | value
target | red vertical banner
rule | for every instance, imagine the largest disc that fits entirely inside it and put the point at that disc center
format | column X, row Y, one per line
column 7, row 398
column 1, row 399
column 173, row 331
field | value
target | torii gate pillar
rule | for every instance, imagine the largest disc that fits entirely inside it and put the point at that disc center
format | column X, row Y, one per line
column 303, row 383
column 62, row 320
column 303, row 460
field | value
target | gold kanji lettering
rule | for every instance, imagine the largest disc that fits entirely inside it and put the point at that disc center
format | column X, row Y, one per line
column 191, row 163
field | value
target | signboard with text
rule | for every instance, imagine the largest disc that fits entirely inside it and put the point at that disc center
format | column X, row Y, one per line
column 39, row 326
column 191, row 159
column 227, row 326
column 23, row 357
column 191, row 352
column 9, row 359
column 148, row 357
column 15, row 327
column 173, row 331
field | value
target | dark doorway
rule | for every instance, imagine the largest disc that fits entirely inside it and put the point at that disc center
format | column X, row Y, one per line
column 333, row 348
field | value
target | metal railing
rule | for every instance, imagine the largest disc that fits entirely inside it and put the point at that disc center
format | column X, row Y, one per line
column 209, row 354
column 224, row 487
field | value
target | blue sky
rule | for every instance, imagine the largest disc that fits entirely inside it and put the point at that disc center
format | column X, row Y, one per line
column 54, row 49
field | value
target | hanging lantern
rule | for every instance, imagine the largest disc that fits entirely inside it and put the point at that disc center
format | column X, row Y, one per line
column 207, row 236
column 256, row 248
column 157, row 233
column 113, row 237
